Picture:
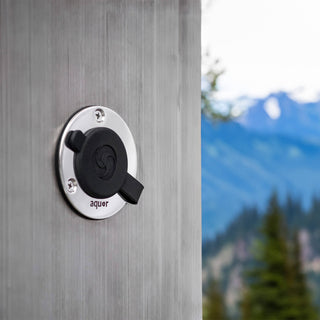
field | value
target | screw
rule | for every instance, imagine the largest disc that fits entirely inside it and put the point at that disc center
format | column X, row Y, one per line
column 99, row 115
column 72, row 185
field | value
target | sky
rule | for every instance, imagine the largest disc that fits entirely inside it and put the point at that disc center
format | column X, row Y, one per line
column 265, row 46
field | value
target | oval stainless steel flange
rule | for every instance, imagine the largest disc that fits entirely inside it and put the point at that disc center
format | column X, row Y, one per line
column 84, row 120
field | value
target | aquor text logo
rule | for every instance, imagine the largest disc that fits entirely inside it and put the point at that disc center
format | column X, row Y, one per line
column 98, row 204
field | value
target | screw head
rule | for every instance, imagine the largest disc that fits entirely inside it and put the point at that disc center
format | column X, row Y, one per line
column 99, row 115
column 72, row 185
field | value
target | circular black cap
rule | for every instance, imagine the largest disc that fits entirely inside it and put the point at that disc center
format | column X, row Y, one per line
column 101, row 162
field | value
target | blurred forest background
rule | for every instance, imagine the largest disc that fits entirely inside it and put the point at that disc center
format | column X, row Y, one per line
column 265, row 264
column 260, row 150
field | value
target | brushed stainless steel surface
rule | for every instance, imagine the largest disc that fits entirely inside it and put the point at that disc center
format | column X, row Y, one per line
column 143, row 57
column 84, row 120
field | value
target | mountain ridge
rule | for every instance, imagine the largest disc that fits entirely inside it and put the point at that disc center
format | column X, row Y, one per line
column 244, row 161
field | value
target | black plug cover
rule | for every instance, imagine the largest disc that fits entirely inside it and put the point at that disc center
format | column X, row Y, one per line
column 100, row 164
column 131, row 189
column 75, row 140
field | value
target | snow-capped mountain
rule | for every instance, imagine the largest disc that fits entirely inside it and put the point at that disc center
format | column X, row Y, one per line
column 275, row 144
column 279, row 114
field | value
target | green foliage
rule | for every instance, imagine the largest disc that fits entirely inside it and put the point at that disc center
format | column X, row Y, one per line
column 300, row 299
column 277, row 288
column 313, row 221
column 208, row 102
column 246, row 306
column 214, row 307
column 267, row 297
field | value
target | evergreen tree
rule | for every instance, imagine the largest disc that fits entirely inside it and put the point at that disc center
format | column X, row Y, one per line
column 214, row 307
column 293, row 212
column 313, row 217
column 246, row 306
column 267, row 297
column 277, row 288
column 300, row 299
